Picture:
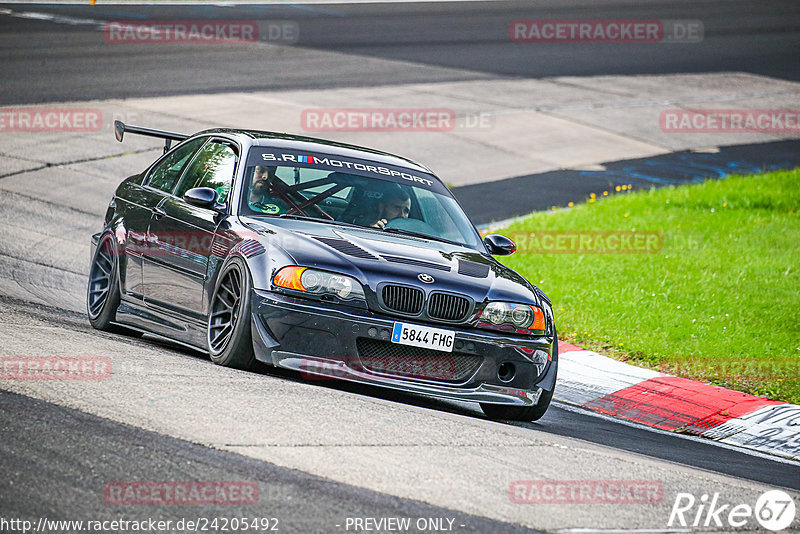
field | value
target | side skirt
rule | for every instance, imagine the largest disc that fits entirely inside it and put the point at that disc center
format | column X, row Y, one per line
column 169, row 325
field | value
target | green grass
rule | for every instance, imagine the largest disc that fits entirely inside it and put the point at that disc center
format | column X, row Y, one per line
column 720, row 302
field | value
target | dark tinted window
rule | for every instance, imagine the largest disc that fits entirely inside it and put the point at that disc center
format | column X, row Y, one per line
column 165, row 175
column 274, row 190
column 213, row 167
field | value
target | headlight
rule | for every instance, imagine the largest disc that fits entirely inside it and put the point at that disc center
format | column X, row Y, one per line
column 524, row 318
column 319, row 283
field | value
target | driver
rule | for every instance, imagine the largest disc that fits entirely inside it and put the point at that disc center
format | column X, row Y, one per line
column 395, row 204
column 260, row 198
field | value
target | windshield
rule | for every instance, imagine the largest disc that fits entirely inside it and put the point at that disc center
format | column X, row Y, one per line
column 354, row 192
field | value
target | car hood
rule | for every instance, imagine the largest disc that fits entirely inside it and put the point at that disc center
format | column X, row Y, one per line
column 373, row 257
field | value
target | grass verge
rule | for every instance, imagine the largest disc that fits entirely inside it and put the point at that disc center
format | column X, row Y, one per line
column 701, row 281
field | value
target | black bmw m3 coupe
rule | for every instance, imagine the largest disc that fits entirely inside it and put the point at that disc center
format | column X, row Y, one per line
column 334, row 260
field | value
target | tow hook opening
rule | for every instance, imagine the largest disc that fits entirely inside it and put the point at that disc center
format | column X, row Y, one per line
column 506, row 372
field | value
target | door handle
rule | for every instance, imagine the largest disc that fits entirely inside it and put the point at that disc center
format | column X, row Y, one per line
column 158, row 212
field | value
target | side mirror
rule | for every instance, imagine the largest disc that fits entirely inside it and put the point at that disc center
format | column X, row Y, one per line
column 499, row 245
column 202, row 197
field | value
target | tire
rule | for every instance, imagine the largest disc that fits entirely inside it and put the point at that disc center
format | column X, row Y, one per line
column 525, row 413
column 230, row 341
column 102, row 293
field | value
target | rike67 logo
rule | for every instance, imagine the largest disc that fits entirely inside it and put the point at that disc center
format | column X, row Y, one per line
column 774, row 510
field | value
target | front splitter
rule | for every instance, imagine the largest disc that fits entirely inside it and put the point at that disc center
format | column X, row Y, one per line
column 320, row 368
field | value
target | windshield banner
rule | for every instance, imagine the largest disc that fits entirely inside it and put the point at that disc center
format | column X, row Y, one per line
column 371, row 169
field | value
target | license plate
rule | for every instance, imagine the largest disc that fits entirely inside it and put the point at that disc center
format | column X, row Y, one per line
column 423, row 336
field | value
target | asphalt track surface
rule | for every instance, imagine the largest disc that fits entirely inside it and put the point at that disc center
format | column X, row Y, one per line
column 76, row 454
column 47, row 62
column 504, row 199
column 56, row 460
column 58, row 474
column 562, row 420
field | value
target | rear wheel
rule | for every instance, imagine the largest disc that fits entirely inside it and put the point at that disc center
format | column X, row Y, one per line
column 230, row 341
column 102, row 296
column 524, row 413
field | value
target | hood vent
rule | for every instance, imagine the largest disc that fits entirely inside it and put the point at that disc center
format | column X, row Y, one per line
column 417, row 263
column 346, row 247
column 473, row 269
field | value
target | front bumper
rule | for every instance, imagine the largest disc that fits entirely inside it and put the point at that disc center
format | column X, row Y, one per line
column 326, row 341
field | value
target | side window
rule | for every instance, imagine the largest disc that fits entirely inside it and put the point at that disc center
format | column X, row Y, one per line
column 165, row 175
column 213, row 167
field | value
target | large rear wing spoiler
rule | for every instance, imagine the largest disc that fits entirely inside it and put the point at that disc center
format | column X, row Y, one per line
column 120, row 128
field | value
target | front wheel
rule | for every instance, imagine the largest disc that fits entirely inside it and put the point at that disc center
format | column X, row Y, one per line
column 230, row 341
column 524, row 413
column 517, row 413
